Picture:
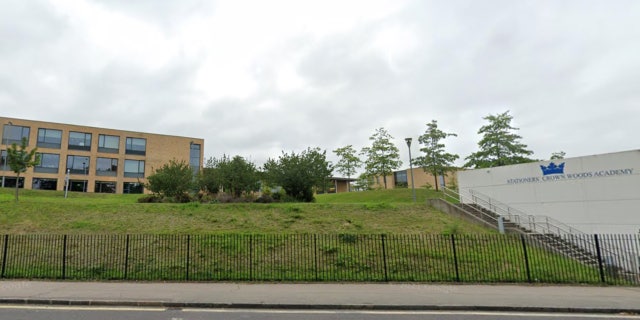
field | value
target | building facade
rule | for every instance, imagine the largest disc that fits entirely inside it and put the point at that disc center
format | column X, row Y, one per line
column 93, row 159
column 421, row 179
column 593, row 194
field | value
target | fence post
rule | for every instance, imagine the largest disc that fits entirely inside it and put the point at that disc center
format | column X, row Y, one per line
column 600, row 266
column 4, row 254
column 384, row 258
column 315, row 255
column 64, row 257
column 250, row 257
column 188, row 251
column 126, row 257
column 526, row 258
column 455, row 256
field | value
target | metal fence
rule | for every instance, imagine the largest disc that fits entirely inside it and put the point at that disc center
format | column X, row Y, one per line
column 313, row 257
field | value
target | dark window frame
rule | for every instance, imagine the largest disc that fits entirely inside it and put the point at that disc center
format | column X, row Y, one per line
column 46, row 169
column 113, row 168
column 86, row 144
column 43, row 140
column 132, row 174
column 130, row 147
column 74, row 169
column 102, row 139
column 10, row 141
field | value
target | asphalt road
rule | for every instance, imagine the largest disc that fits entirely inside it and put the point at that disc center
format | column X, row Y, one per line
column 9, row 312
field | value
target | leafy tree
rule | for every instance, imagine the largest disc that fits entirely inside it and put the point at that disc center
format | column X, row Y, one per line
column 173, row 179
column 558, row 155
column 348, row 162
column 19, row 160
column 499, row 146
column 435, row 160
column 382, row 157
column 298, row 174
column 363, row 182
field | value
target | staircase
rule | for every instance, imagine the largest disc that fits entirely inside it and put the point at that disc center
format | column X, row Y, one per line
column 545, row 231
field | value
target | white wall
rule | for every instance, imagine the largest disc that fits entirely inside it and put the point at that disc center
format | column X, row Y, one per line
column 594, row 194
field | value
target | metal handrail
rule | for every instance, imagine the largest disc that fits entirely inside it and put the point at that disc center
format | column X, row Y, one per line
column 541, row 225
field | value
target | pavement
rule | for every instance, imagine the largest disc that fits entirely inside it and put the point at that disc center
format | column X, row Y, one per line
column 374, row 296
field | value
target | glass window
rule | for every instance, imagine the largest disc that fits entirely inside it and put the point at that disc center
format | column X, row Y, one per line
column 134, row 168
column 136, row 146
column 78, row 164
column 49, row 163
column 13, row 134
column 132, row 187
column 44, row 184
column 194, row 157
column 79, row 141
column 10, row 182
column 105, row 187
column 400, row 178
column 49, row 138
column 78, row 185
column 106, row 167
column 4, row 166
column 110, row 144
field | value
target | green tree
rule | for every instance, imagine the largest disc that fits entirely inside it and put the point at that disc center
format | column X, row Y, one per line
column 382, row 156
column 173, row 179
column 363, row 182
column 435, row 160
column 237, row 176
column 558, row 155
column 20, row 159
column 348, row 162
column 298, row 174
column 499, row 146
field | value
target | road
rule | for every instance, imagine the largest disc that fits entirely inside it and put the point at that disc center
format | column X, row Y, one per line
column 9, row 312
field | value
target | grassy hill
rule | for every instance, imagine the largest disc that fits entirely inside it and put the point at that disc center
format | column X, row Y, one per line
column 370, row 212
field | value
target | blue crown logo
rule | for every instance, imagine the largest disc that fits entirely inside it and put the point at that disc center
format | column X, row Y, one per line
column 552, row 168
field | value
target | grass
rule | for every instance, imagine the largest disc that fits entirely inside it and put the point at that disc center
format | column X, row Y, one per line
column 371, row 212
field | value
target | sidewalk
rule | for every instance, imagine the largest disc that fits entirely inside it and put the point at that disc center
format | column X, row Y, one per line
column 326, row 296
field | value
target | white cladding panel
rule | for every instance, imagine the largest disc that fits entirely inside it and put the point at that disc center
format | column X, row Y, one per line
column 595, row 194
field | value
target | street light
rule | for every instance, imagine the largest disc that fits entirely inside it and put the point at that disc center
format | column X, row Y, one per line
column 413, row 189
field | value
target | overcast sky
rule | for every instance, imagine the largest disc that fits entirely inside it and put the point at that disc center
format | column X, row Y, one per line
column 254, row 78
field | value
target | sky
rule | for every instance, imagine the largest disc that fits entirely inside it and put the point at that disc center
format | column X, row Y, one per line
column 256, row 78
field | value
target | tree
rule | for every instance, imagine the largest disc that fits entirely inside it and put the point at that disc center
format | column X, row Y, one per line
column 435, row 160
column 236, row 176
column 558, row 155
column 499, row 146
column 20, row 160
column 298, row 174
column 348, row 162
column 173, row 179
column 382, row 157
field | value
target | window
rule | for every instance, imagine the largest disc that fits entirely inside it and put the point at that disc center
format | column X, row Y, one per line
column 4, row 166
column 10, row 182
column 105, row 187
column 109, row 144
column 400, row 178
column 14, row 134
column 49, row 163
column 194, row 158
column 44, row 184
column 78, row 185
column 78, row 164
column 134, row 168
column 79, row 141
column 132, row 187
column 106, row 167
column 49, row 138
column 136, row 146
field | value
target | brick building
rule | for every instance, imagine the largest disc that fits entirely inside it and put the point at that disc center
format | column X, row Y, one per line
column 95, row 159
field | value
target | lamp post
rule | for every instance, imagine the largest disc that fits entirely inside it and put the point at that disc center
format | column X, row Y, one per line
column 66, row 183
column 413, row 189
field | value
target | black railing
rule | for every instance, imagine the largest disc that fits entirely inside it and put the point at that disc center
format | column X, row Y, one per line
column 311, row 257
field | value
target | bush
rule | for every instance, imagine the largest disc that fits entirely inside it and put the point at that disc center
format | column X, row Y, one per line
column 151, row 198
